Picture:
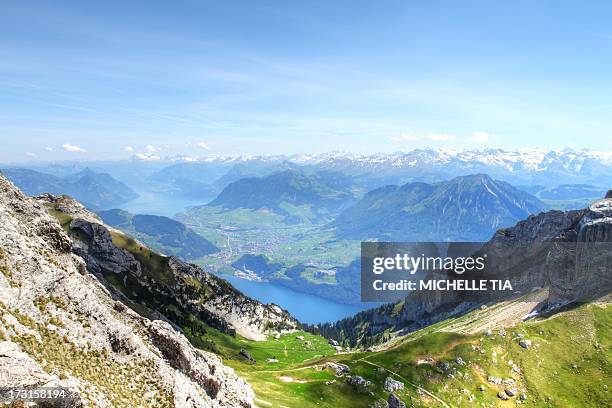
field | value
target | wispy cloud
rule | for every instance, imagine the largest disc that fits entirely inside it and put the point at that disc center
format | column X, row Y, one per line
column 72, row 148
column 203, row 145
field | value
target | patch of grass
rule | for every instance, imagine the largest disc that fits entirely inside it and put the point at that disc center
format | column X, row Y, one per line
column 61, row 217
column 152, row 263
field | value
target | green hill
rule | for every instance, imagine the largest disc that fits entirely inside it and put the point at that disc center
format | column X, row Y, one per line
column 163, row 234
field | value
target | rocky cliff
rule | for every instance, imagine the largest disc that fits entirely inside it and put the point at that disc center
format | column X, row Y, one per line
column 60, row 326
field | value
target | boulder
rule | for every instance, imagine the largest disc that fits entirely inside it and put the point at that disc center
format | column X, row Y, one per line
column 524, row 343
column 444, row 366
column 359, row 384
column 502, row 396
column 511, row 392
column 247, row 356
column 340, row 369
column 494, row 380
column 392, row 385
column 395, row 402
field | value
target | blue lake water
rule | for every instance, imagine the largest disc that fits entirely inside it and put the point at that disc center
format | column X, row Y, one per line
column 158, row 204
column 305, row 307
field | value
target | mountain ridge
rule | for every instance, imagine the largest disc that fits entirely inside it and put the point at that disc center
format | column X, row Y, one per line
column 161, row 233
column 432, row 212
column 323, row 193
column 96, row 190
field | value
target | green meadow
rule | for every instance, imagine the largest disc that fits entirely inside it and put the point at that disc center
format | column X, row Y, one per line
column 568, row 365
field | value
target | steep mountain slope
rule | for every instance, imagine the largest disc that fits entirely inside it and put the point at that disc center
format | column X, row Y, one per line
column 182, row 292
column 469, row 208
column 323, row 194
column 61, row 327
column 96, row 190
column 567, row 252
column 162, row 234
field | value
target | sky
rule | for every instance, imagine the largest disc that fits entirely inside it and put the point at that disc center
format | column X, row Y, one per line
column 109, row 80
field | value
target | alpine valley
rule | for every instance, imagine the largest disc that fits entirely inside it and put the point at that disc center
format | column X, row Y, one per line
column 91, row 307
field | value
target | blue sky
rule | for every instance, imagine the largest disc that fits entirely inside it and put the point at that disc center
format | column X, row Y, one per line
column 96, row 81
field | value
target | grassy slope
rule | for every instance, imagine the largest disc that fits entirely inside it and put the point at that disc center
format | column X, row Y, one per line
column 569, row 365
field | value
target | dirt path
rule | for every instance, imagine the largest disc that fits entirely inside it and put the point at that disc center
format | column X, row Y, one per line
column 423, row 390
column 364, row 360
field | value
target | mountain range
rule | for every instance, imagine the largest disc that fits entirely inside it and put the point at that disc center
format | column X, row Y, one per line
column 524, row 166
column 95, row 190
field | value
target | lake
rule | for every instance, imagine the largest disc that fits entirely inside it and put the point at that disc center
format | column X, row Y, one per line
column 158, row 204
column 305, row 307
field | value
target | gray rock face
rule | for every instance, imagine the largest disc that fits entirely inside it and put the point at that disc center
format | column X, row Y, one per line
column 392, row 385
column 205, row 368
column 359, row 384
column 97, row 249
column 60, row 322
column 395, row 402
column 339, row 368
